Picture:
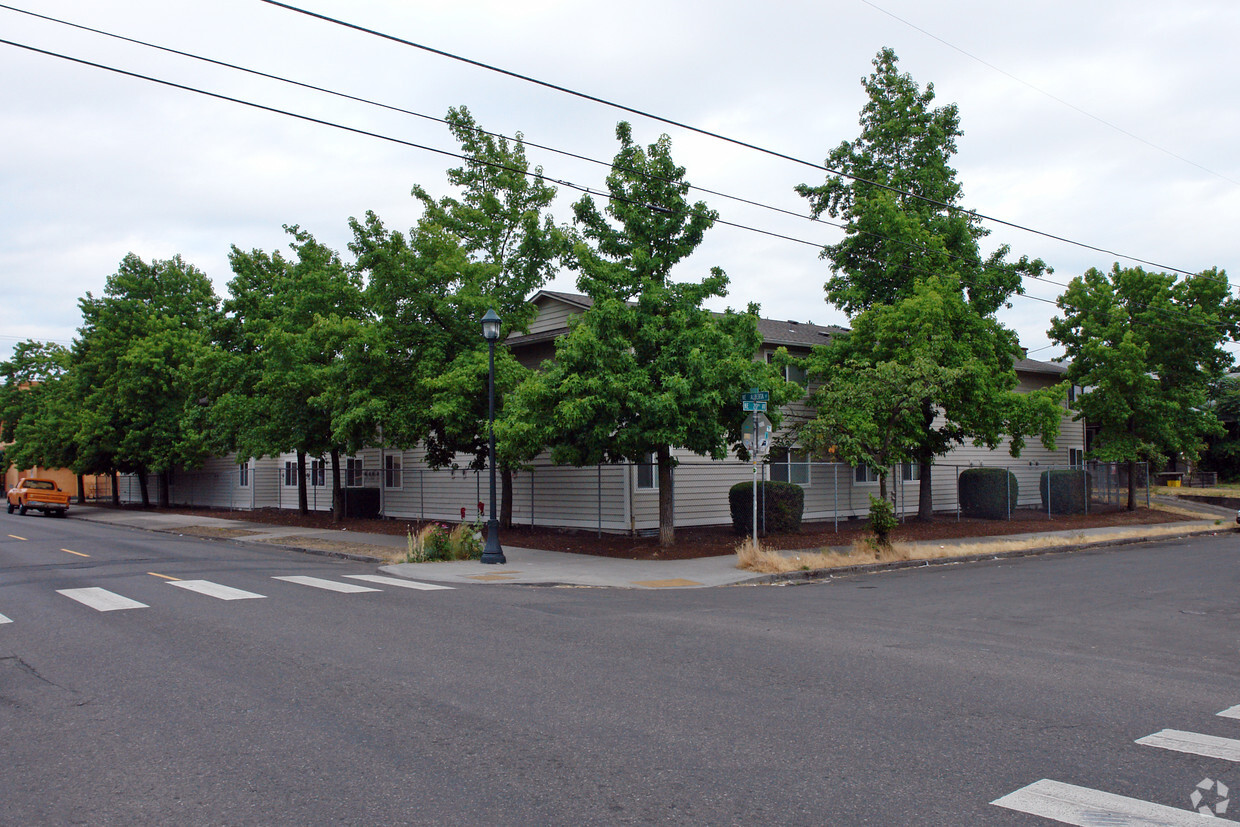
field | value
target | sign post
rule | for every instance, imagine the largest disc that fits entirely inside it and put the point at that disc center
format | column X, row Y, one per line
column 756, row 401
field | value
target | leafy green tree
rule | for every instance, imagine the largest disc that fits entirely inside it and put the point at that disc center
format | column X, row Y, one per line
column 933, row 350
column 289, row 322
column 1222, row 454
column 900, row 199
column 646, row 368
column 131, row 365
column 33, row 409
column 490, row 246
column 32, row 368
column 1148, row 350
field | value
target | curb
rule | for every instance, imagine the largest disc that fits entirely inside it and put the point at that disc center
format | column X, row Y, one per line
column 321, row 552
column 800, row 577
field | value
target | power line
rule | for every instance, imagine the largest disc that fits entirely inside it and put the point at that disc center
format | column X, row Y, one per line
column 459, row 156
column 718, row 136
column 481, row 131
column 1053, row 97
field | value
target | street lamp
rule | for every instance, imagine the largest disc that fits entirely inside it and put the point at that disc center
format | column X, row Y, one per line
column 490, row 331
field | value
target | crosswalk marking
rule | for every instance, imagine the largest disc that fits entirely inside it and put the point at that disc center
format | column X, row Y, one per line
column 101, row 599
column 4, row 619
column 1231, row 712
column 215, row 590
column 397, row 581
column 1194, row 743
column 329, row 585
column 1070, row 804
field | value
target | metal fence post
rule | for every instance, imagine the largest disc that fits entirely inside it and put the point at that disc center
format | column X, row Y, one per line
column 957, row 467
column 835, row 492
column 599, row 489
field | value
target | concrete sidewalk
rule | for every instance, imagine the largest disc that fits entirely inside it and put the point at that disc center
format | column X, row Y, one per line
column 545, row 568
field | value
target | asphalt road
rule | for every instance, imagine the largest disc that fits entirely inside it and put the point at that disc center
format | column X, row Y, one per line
column 913, row 697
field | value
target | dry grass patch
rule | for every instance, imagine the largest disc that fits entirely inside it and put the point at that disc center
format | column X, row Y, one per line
column 387, row 555
column 213, row 531
column 764, row 561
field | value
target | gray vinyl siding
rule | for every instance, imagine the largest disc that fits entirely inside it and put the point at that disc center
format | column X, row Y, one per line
column 553, row 314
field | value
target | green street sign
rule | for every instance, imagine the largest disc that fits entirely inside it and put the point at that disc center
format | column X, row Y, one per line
column 756, row 395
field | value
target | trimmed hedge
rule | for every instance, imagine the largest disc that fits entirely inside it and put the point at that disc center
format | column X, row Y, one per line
column 1068, row 491
column 983, row 493
column 785, row 503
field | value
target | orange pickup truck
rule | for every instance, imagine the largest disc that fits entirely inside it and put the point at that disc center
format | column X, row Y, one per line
column 39, row 495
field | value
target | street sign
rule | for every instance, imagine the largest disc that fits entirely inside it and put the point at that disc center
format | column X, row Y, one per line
column 753, row 406
column 764, row 433
column 756, row 395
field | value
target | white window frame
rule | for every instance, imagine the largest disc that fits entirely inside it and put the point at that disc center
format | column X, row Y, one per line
column 910, row 471
column 318, row 473
column 243, row 474
column 791, row 467
column 649, row 465
column 354, row 472
column 290, row 473
column 1076, row 457
column 802, row 379
column 393, row 472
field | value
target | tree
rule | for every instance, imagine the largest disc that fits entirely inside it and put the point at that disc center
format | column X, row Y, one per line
column 931, row 348
column 1148, row 350
column 289, row 323
column 898, row 194
column 131, row 366
column 645, row 368
column 501, row 224
column 33, row 410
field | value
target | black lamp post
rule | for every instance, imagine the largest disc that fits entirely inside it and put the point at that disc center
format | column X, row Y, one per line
column 490, row 331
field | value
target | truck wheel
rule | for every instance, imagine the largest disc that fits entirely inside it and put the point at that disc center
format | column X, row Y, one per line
column 12, row 509
column 21, row 509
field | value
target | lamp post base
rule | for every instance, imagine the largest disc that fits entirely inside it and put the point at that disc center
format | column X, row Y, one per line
column 492, row 553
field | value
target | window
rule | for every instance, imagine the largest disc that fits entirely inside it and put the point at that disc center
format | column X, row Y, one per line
column 647, row 473
column 1076, row 457
column 243, row 474
column 391, row 471
column 290, row 473
column 792, row 373
column 908, row 471
column 318, row 473
column 353, row 475
column 790, row 465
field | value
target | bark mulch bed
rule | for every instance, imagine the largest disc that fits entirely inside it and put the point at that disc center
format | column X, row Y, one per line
column 718, row 540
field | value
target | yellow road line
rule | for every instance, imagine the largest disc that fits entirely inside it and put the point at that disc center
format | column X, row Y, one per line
column 166, row 577
column 15, row 537
column 78, row 553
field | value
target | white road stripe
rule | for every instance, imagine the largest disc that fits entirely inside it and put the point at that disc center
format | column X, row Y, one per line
column 1194, row 743
column 101, row 599
column 330, row 585
column 214, row 589
column 397, row 581
column 1231, row 712
column 4, row 619
column 1070, row 804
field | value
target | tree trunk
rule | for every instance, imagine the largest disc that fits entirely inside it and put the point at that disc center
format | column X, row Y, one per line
column 81, row 488
column 505, row 497
column 165, row 494
column 116, row 490
column 667, row 499
column 337, row 491
column 144, row 487
column 303, row 503
column 1132, row 485
column 925, row 460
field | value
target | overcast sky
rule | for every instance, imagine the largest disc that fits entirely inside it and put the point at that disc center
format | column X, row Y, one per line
column 1108, row 122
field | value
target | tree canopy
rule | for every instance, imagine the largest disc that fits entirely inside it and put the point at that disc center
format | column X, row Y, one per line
column 646, row 368
column 909, row 242
column 1147, row 348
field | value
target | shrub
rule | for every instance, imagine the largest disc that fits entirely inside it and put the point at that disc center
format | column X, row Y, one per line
column 1065, row 491
column 432, row 542
column 882, row 521
column 784, row 505
column 989, row 493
